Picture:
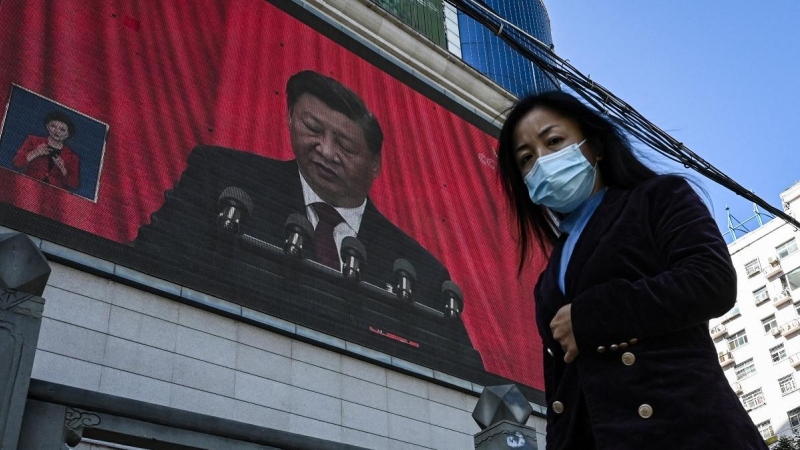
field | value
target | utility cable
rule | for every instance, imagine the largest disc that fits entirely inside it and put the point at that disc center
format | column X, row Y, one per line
column 606, row 102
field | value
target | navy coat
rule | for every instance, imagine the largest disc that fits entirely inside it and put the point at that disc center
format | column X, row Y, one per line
column 647, row 273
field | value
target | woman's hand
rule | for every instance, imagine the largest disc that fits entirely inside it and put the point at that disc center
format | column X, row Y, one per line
column 59, row 161
column 561, row 326
column 40, row 151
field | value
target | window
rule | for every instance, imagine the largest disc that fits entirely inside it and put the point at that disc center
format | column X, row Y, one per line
column 753, row 400
column 744, row 369
column 778, row 353
column 787, row 384
column 786, row 249
column 769, row 323
column 752, row 267
column 737, row 340
column 797, row 308
column 794, row 279
column 761, row 294
column 794, row 419
column 765, row 428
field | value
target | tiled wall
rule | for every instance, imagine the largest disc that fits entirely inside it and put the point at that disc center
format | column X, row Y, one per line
column 104, row 336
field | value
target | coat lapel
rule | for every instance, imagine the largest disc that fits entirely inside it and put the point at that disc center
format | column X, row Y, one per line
column 598, row 224
column 549, row 297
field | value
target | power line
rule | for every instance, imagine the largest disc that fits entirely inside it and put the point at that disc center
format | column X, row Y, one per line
column 604, row 101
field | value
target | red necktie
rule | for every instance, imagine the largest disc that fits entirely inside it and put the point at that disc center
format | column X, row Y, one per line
column 323, row 235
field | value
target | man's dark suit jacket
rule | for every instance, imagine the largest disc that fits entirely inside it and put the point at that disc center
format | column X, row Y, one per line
column 647, row 273
column 183, row 233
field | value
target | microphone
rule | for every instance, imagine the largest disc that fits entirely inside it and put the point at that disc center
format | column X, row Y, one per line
column 235, row 207
column 299, row 232
column 354, row 256
column 52, row 154
column 405, row 277
column 454, row 300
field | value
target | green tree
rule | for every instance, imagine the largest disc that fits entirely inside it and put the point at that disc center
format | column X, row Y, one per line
column 786, row 443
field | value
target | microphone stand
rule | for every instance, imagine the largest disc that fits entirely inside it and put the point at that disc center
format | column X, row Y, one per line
column 277, row 254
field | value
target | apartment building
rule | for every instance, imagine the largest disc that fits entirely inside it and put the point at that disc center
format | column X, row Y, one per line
column 759, row 339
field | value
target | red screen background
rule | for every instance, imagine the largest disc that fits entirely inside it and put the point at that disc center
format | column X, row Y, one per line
column 167, row 76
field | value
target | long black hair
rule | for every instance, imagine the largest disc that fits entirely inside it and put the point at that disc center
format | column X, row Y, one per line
column 619, row 166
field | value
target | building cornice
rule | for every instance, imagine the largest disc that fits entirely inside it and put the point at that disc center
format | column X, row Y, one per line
column 426, row 60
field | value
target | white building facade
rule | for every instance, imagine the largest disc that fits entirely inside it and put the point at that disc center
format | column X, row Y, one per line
column 759, row 339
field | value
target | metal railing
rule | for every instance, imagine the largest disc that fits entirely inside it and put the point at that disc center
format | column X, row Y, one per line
column 790, row 327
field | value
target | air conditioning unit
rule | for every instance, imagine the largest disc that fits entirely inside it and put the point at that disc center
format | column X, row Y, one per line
column 718, row 331
column 775, row 331
column 772, row 260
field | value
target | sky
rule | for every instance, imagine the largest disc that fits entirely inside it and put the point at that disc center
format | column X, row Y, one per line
column 720, row 76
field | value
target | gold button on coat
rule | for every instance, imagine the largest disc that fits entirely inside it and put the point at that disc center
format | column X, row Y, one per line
column 558, row 407
column 614, row 347
column 601, row 349
column 645, row 411
column 623, row 345
column 628, row 358
column 633, row 341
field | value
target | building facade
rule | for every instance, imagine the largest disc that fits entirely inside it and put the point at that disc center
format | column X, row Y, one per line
column 485, row 51
column 131, row 356
column 424, row 16
column 758, row 340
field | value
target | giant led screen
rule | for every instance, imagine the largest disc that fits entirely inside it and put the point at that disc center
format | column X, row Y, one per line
column 260, row 155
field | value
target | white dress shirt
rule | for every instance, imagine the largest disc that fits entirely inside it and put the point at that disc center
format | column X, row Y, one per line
column 352, row 216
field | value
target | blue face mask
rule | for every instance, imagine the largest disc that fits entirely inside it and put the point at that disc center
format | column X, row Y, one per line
column 561, row 181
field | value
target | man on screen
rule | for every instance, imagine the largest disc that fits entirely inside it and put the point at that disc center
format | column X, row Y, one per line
column 337, row 146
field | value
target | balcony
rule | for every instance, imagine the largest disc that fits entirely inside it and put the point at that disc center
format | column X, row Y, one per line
column 737, row 387
column 790, row 327
column 782, row 298
column 718, row 331
column 772, row 269
column 794, row 360
column 726, row 359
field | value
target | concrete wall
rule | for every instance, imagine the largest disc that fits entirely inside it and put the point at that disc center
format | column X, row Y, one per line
column 107, row 337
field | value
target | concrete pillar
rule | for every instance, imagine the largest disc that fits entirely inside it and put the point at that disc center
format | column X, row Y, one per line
column 20, row 320
column 43, row 426
column 23, row 276
column 505, row 435
column 502, row 412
